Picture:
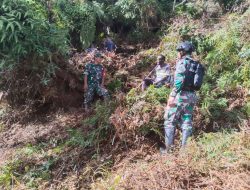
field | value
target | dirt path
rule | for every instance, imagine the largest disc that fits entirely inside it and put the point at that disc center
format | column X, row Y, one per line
column 53, row 126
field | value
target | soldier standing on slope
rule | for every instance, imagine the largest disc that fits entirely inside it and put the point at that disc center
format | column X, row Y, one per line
column 181, row 100
column 94, row 80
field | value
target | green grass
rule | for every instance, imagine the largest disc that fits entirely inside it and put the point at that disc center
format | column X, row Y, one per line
column 220, row 150
column 9, row 173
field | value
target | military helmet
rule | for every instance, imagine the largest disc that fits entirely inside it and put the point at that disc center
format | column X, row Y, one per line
column 185, row 46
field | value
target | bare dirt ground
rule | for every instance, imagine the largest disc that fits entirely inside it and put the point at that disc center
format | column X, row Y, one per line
column 52, row 126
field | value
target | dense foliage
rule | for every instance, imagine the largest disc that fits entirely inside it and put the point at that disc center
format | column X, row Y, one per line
column 78, row 151
column 80, row 17
column 26, row 33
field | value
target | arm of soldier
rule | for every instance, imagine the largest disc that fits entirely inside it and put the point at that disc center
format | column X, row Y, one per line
column 179, row 78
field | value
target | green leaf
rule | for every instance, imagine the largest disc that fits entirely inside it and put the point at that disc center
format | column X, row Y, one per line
column 16, row 38
column 3, row 37
column 11, row 36
column 18, row 25
column 3, row 18
column 26, row 14
column 10, row 15
column 19, row 15
column 10, row 25
column 1, row 25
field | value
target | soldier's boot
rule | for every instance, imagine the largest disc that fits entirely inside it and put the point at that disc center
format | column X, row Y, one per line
column 185, row 135
column 169, row 140
column 169, row 137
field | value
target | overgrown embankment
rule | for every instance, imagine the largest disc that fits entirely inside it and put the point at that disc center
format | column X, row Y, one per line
column 116, row 146
column 212, row 161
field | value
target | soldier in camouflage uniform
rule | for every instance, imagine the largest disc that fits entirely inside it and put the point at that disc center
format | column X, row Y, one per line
column 94, row 80
column 181, row 100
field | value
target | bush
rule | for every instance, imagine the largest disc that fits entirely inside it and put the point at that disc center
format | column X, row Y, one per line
column 142, row 115
column 29, row 46
column 25, row 33
column 98, row 126
column 220, row 149
column 228, row 4
column 139, row 15
column 226, row 72
column 224, row 53
column 9, row 174
column 140, row 35
column 82, row 18
column 192, row 10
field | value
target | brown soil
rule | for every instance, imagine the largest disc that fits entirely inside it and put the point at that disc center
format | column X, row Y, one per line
column 45, row 128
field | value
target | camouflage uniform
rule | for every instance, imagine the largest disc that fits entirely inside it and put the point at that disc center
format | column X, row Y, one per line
column 94, row 74
column 181, row 110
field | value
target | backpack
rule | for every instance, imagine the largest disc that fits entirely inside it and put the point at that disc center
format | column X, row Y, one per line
column 195, row 72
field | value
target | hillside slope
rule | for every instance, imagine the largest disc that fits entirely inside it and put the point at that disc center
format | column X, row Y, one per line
column 116, row 146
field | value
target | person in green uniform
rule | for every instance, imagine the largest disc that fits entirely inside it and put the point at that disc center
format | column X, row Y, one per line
column 181, row 101
column 94, row 74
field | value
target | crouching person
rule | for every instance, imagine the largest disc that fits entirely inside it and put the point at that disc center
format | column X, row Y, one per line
column 94, row 74
column 159, row 76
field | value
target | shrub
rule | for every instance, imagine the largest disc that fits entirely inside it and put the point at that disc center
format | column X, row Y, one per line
column 25, row 32
column 9, row 174
column 190, row 9
column 82, row 17
column 102, row 128
column 228, row 4
column 219, row 150
column 29, row 45
column 141, row 16
column 142, row 115
column 225, row 56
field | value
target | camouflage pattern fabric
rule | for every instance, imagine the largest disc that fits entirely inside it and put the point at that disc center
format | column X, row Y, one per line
column 179, row 75
column 181, row 110
column 92, row 89
column 94, row 74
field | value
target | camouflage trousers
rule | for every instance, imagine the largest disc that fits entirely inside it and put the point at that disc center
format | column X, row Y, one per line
column 92, row 89
column 180, row 112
